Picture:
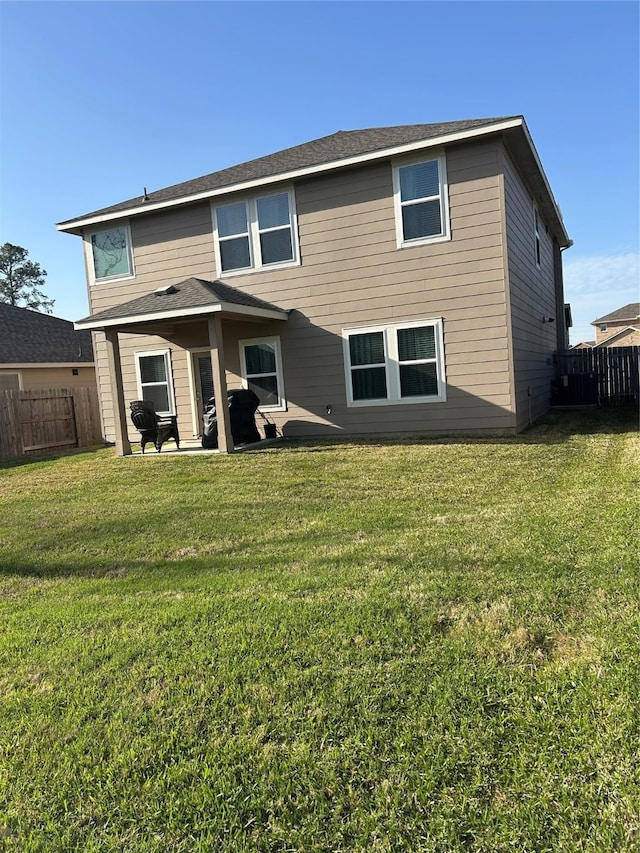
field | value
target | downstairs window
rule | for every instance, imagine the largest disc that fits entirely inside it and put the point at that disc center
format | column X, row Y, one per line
column 400, row 363
column 261, row 364
column 153, row 370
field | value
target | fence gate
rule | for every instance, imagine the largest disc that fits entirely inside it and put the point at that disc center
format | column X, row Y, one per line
column 47, row 419
column 38, row 420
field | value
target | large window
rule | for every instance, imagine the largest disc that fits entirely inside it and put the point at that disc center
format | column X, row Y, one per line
column 111, row 253
column 256, row 233
column 262, row 371
column 400, row 363
column 154, row 380
column 421, row 202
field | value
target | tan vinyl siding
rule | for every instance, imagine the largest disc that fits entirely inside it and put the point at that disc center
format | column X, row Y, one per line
column 167, row 248
column 129, row 346
column 353, row 275
column 532, row 297
column 42, row 378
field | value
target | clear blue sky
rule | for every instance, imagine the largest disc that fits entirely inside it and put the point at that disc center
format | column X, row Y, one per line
column 100, row 99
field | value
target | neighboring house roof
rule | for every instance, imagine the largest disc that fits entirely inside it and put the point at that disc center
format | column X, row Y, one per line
column 628, row 313
column 338, row 150
column 28, row 337
column 186, row 299
column 584, row 345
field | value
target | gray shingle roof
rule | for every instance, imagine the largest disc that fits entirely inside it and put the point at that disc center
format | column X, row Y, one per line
column 189, row 294
column 630, row 313
column 338, row 146
column 28, row 337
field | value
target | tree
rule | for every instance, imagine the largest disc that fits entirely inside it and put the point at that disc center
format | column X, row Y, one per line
column 21, row 279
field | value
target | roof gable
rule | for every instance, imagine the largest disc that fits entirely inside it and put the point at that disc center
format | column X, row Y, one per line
column 28, row 337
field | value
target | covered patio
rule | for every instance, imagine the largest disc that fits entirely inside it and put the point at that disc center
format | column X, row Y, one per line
column 193, row 447
column 164, row 313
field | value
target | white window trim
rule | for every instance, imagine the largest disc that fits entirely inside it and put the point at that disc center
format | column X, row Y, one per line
column 444, row 201
column 392, row 364
column 88, row 251
column 282, row 400
column 255, row 259
column 169, row 370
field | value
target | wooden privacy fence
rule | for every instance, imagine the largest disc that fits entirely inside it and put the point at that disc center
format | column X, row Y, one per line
column 602, row 376
column 56, row 418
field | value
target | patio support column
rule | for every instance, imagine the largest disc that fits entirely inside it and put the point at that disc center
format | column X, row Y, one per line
column 225, row 439
column 123, row 446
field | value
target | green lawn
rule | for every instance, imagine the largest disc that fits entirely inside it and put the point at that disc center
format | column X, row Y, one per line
column 364, row 646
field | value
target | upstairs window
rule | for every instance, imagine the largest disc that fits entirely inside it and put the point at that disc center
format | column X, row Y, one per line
column 256, row 233
column 233, row 237
column 421, row 202
column 400, row 363
column 111, row 252
column 274, row 228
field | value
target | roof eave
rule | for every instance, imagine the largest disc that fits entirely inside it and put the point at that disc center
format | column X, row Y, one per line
column 76, row 226
column 609, row 319
column 42, row 364
column 95, row 324
column 566, row 242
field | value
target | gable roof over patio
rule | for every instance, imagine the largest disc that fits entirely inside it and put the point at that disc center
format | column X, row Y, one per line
column 193, row 297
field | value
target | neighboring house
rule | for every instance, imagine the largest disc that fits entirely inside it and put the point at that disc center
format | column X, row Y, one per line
column 583, row 345
column 620, row 328
column 38, row 351
column 396, row 280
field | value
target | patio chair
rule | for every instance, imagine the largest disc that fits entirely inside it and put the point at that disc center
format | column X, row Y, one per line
column 153, row 427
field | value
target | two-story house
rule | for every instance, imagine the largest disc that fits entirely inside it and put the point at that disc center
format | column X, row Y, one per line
column 395, row 280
